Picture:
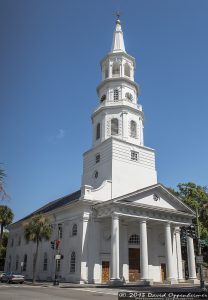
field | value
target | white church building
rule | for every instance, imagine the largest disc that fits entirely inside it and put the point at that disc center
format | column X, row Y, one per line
column 122, row 226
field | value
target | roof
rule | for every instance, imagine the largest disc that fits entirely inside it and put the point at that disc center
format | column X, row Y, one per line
column 68, row 199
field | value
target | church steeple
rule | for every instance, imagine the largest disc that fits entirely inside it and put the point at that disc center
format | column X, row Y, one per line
column 118, row 161
column 118, row 40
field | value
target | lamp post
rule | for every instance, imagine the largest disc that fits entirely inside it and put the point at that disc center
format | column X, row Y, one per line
column 199, row 252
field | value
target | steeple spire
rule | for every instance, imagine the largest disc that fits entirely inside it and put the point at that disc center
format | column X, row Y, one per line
column 118, row 41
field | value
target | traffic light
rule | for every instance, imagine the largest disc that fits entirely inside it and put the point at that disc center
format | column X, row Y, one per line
column 57, row 244
column 193, row 230
column 52, row 244
column 188, row 231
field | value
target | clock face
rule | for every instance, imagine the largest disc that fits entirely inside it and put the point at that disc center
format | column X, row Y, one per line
column 129, row 96
column 103, row 97
column 96, row 174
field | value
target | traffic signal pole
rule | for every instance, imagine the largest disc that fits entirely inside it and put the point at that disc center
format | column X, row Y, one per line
column 57, row 253
column 202, row 286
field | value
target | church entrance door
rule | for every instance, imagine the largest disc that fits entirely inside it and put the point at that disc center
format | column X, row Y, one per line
column 134, row 264
column 105, row 271
column 163, row 272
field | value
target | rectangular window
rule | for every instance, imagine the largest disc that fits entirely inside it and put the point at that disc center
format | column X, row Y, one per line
column 58, row 266
column 45, row 264
column 60, row 231
column 97, row 158
column 134, row 155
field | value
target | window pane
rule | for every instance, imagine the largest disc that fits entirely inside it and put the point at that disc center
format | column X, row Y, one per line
column 133, row 129
column 127, row 70
column 74, row 229
column 98, row 131
column 73, row 262
column 114, row 126
column 134, row 239
column 134, row 155
column 116, row 95
column 116, row 68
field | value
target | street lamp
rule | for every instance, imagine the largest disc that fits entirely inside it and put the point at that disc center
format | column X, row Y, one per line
column 199, row 252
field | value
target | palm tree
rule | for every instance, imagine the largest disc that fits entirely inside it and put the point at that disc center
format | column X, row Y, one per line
column 6, row 218
column 2, row 191
column 37, row 229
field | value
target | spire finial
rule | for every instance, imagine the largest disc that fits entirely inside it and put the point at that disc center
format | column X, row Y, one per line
column 118, row 42
column 117, row 14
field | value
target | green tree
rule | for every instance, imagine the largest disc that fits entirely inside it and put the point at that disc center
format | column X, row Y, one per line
column 196, row 197
column 37, row 229
column 3, row 250
column 6, row 218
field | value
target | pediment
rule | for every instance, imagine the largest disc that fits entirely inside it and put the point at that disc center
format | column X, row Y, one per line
column 156, row 196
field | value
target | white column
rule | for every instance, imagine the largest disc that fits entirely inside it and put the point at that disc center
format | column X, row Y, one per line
column 125, row 252
column 124, row 124
column 121, row 70
column 144, row 251
column 84, row 255
column 191, row 258
column 178, row 253
column 103, row 128
column 115, row 248
column 141, row 132
column 169, row 254
column 95, row 251
column 110, row 69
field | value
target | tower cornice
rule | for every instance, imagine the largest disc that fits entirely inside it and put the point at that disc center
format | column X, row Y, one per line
column 118, row 79
column 111, row 54
column 118, row 106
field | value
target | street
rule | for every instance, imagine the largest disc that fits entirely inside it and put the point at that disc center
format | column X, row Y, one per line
column 27, row 292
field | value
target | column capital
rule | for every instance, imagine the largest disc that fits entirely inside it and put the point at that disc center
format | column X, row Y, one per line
column 167, row 224
column 86, row 217
column 115, row 216
column 143, row 221
column 177, row 230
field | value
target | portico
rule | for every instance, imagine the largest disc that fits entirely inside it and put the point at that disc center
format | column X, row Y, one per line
column 159, row 245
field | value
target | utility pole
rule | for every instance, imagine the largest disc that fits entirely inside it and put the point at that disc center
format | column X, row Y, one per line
column 202, row 286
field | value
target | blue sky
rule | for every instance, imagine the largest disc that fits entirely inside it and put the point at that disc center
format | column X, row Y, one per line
column 49, row 69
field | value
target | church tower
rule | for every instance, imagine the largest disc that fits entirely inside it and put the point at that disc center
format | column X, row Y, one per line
column 118, row 162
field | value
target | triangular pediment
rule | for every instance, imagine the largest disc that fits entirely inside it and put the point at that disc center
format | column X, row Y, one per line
column 155, row 196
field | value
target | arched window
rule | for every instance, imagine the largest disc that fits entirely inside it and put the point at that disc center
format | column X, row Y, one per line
column 45, row 262
column 73, row 262
column 134, row 239
column 114, row 126
column 106, row 72
column 74, row 230
column 98, row 131
column 25, row 263
column 116, row 95
column 127, row 69
column 133, row 129
column 116, row 69
column 17, row 262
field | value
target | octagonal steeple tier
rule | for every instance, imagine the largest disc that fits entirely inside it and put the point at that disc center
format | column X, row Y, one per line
column 118, row 113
